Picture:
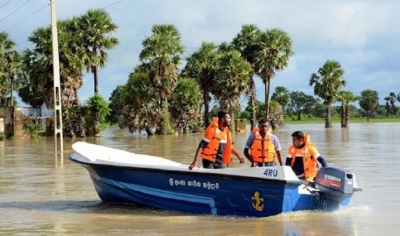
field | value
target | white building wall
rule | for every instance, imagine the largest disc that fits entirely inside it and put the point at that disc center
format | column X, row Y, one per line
column 45, row 112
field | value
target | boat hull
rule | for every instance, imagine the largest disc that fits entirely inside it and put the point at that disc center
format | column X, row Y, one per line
column 198, row 193
column 125, row 177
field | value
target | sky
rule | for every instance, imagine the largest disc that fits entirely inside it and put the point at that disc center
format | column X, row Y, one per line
column 363, row 36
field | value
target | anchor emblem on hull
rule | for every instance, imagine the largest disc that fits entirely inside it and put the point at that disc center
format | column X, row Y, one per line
column 257, row 201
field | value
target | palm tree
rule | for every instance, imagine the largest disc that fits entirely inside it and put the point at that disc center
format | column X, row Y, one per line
column 201, row 66
column 346, row 97
column 95, row 32
column 387, row 105
column 369, row 101
column 327, row 84
column 161, row 56
column 246, row 42
column 95, row 35
column 392, row 102
column 10, row 62
column 38, row 63
column 232, row 75
column 275, row 48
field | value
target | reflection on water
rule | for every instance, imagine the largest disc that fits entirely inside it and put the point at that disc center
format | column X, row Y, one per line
column 44, row 193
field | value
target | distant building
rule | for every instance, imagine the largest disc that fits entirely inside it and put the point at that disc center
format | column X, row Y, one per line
column 13, row 119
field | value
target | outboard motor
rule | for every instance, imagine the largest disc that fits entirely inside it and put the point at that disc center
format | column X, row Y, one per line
column 335, row 186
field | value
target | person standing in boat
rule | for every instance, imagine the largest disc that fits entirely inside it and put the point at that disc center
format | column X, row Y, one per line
column 216, row 146
column 303, row 157
column 262, row 146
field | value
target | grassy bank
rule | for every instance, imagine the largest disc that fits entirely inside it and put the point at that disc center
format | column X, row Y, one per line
column 337, row 120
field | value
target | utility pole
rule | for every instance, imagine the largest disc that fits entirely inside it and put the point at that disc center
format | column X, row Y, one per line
column 56, row 81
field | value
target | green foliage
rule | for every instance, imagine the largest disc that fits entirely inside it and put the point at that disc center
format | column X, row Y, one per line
column 32, row 129
column 369, row 102
column 231, row 79
column 117, row 103
column 328, row 83
column 165, row 125
column 276, row 114
column 10, row 65
column 98, row 104
column 281, row 95
column 96, row 108
column 185, row 103
column 2, row 137
column 259, row 108
column 273, row 53
column 161, row 58
column 201, row 66
column 300, row 103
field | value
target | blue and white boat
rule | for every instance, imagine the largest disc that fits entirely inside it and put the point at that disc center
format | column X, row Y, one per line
column 125, row 177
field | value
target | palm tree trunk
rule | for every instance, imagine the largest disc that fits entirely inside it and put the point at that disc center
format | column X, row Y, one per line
column 96, row 79
column 252, row 98
column 12, row 90
column 328, row 123
column 206, row 109
column 346, row 116
column 79, row 118
column 342, row 115
column 68, row 128
column 267, row 85
column 97, row 113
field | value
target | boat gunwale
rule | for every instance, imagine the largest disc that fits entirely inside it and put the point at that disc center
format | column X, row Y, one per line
column 194, row 173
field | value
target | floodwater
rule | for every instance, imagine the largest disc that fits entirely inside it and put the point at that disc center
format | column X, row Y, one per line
column 42, row 193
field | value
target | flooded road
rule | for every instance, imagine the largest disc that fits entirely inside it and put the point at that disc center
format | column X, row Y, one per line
column 46, row 194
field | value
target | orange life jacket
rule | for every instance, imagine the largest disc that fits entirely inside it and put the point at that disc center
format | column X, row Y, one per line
column 310, row 164
column 262, row 150
column 211, row 150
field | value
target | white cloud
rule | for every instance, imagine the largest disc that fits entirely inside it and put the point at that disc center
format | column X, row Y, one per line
column 362, row 35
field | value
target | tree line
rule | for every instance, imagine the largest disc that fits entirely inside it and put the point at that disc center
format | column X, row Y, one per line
column 165, row 92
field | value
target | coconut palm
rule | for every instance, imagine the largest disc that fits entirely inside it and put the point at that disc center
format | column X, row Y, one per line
column 161, row 57
column 275, row 48
column 246, row 42
column 346, row 97
column 201, row 66
column 327, row 84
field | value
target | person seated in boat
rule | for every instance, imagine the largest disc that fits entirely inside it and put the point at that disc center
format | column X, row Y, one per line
column 262, row 146
column 216, row 146
column 303, row 157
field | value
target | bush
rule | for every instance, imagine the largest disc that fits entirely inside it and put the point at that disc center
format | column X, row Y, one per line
column 32, row 129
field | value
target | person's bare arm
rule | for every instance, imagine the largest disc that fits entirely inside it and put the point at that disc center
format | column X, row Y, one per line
column 195, row 162
column 278, row 154
column 234, row 152
column 247, row 155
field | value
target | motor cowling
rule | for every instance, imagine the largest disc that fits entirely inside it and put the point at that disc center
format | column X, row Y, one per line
column 335, row 186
